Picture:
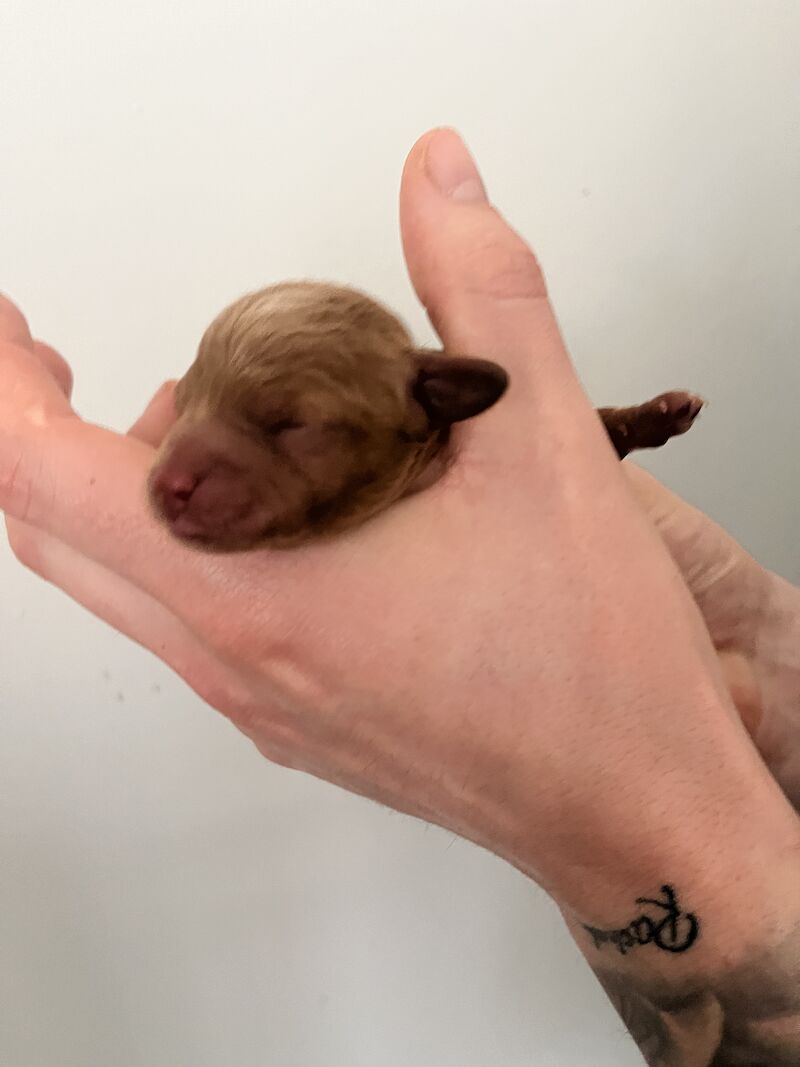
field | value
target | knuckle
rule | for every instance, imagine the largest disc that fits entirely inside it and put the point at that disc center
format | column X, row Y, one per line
column 13, row 324
column 243, row 638
column 495, row 266
column 25, row 545
column 277, row 744
column 235, row 704
column 215, row 682
column 227, row 636
column 55, row 363
column 267, row 728
column 499, row 264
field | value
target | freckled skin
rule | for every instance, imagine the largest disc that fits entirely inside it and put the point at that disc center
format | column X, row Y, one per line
column 308, row 409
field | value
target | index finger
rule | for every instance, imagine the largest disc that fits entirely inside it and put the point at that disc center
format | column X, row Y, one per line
column 86, row 486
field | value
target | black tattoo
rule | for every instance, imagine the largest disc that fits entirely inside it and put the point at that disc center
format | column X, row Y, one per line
column 746, row 1016
column 671, row 930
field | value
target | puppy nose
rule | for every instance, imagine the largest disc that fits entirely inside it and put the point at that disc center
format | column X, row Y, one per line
column 172, row 490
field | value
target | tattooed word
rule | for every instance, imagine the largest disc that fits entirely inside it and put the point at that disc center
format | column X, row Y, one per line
column 672, row 930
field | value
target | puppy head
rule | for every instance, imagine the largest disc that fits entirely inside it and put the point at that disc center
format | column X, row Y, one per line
column 306, row 410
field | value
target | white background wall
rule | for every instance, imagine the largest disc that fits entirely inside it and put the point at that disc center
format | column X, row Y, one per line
column 167, row 898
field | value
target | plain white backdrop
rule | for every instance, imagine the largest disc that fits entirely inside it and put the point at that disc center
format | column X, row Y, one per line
column 167, row 898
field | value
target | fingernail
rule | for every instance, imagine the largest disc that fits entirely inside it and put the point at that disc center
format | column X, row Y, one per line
column 452, row 169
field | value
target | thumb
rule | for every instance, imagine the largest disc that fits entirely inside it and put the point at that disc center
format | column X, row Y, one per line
column 484, row 291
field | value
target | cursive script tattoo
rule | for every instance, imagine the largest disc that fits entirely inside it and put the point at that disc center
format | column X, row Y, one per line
column 747, row 1015
column 670, row 929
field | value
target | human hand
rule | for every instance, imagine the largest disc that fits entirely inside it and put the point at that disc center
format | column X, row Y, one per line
column 753, row 619
column 506, row 663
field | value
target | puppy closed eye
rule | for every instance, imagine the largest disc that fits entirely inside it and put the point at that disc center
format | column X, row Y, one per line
column 303, row 441
column 281, row 425
column 270, row 425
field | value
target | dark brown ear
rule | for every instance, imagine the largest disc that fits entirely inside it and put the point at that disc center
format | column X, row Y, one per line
column 452, row 388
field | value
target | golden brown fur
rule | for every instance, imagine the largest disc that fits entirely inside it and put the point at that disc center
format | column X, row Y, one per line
column 308, row 409
column 310, row 387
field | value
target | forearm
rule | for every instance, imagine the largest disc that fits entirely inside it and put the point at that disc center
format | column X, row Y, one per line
column 704, row 969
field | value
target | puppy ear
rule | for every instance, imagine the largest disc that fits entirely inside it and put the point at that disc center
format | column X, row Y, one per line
column 452, row 388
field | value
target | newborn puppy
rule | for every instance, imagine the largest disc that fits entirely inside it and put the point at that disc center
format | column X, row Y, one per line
column 309, row 409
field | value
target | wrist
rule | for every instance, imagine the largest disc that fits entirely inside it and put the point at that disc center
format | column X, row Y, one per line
column 707, row 910
column 715, row 826
column 706, row 975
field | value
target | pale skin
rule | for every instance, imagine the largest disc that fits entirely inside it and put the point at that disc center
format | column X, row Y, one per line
column 544, row 683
